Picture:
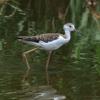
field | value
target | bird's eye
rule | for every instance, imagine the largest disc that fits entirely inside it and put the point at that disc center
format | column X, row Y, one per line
column 70, row 26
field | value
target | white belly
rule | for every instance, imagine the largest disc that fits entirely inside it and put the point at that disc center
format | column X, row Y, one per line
column 53, row 45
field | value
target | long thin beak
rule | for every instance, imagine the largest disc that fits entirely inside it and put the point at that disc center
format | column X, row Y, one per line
column 78, row 32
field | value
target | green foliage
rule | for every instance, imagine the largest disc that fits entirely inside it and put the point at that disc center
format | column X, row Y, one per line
column 84, row 20
column 31, row 17
column 1, row 45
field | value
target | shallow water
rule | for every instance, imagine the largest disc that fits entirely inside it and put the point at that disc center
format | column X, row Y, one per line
column 68, row 81
column 35, row 87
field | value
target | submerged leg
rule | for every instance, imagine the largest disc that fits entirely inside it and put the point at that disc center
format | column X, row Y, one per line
column 26, row 60
column 47, row 63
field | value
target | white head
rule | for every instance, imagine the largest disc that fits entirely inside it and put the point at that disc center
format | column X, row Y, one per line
column 69, row 27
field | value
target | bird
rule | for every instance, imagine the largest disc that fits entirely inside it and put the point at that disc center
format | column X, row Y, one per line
column 47, row 41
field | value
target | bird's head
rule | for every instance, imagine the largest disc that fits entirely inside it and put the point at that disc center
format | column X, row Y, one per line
column 69, row 27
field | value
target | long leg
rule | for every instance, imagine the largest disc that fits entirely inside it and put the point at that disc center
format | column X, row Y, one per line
column 47, row 63
column 27, row 63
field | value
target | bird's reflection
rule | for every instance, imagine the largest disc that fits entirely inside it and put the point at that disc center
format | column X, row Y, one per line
column 40, row 93
column 26, row 76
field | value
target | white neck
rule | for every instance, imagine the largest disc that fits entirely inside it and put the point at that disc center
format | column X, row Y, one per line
column 67, row 35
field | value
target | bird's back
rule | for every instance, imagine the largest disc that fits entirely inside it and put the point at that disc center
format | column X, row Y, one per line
column 42, row 37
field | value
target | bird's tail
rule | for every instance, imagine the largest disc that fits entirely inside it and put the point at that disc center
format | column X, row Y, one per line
column 21, row 39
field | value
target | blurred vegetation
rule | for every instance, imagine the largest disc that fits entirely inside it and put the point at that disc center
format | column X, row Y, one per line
column 81, row 55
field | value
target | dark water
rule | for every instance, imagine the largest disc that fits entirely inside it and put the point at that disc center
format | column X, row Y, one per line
column 68, row 81
column 72, row 75
column 35, row 87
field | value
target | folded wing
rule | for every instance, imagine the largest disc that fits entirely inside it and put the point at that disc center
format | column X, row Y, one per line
column 43, row 37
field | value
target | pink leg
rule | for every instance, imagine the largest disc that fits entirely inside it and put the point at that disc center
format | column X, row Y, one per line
column 27, row 63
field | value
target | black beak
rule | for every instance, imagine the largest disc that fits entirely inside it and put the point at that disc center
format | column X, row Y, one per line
column 78, row 32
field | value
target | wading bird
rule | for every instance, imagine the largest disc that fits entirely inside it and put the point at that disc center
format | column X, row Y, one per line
column 48, row 41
